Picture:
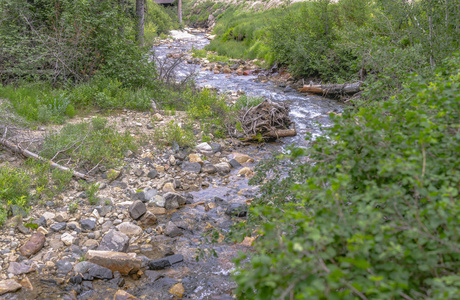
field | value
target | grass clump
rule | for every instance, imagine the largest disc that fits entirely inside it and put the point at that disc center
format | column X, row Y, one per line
column 173, row 133
column 87, row 144
column 14, row 190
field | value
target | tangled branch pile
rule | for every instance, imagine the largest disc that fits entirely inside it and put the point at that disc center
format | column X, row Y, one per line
column 267, row 120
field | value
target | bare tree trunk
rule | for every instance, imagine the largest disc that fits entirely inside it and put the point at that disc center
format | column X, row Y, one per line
column 179, row 11
column 140, row 21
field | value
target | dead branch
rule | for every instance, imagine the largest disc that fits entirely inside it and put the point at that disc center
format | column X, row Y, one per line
column 267, row 120
column 17, row 149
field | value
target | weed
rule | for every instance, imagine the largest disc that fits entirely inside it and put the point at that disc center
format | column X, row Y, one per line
column 174, row 133
column 91, row 189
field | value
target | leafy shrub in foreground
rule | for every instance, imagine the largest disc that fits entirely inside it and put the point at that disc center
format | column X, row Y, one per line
column 372, row 210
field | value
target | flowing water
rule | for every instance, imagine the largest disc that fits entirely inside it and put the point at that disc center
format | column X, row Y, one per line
column 208, row 278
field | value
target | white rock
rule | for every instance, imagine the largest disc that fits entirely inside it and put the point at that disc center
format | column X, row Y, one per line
column 67, row 239
column 204, row 148
column 49, row 215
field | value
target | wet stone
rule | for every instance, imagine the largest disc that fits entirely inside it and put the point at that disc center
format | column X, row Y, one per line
column 209, row 169
column 234, row 163
column 237, row 210
column 172, row 230
column 173, row 200
column 159, row 264
column 176, row 258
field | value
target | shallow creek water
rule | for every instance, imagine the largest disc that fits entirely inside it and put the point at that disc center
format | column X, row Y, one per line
column 207, row 278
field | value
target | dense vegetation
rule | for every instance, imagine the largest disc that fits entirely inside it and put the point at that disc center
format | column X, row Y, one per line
column 335, row 40
column 370, row 210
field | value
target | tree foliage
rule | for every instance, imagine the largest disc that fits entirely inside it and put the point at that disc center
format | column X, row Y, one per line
column 63, row 40
column 371, row 210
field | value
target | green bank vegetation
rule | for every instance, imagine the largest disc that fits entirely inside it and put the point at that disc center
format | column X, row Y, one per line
column 370, row 209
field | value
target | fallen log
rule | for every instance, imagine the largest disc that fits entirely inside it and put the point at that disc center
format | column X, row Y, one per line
column 332, row 89
column 281, row 133
column 17, row 149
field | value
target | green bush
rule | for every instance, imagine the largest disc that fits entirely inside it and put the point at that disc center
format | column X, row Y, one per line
column 371, row 210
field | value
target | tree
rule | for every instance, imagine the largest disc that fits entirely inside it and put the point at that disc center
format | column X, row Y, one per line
column 140, row 21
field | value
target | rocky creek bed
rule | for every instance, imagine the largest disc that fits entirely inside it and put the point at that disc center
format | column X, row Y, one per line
column 142, row 238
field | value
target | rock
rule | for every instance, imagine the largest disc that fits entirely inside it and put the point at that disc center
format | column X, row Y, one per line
column 58, row 226
column 63, row 267
column 158, row 210
column 8, row 286
column 14, row 221
column 158, row 117
column 96, row 271
column 42, row 230
column 159, row 264
column 173, row 201
column 138, row 172
column 25, row 283
column 175, row 259
column 82, row 267
column 177, row 290
column 172, row 160
column 246, row 172
column 40, row 222
column 16, row 210
column 216, row 147
column 123, row 295
column 209, row 169
column 148, row 219
column 23, row 229
column 192, row 167
column 137, row 209
column 150, row 194
column 33, row 245
column 235, row 164
column 67, row 239
column 61, row 217
column 223, row 167
column 158, row 201
column 152, row 275
column 129, row 229
column 168, row 187
column 204, row 148
column 242, row 158
column 88, row 224
column 125, row 263
column 237, row 210
column 114, row 241
column 195, row 158
column 152, row 174
column 19, row 268
column 172, row 230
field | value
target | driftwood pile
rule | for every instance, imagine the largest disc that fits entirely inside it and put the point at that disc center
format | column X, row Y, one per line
column 268, row 120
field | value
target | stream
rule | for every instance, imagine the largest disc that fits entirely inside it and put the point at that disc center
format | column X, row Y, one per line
column 210, row 277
